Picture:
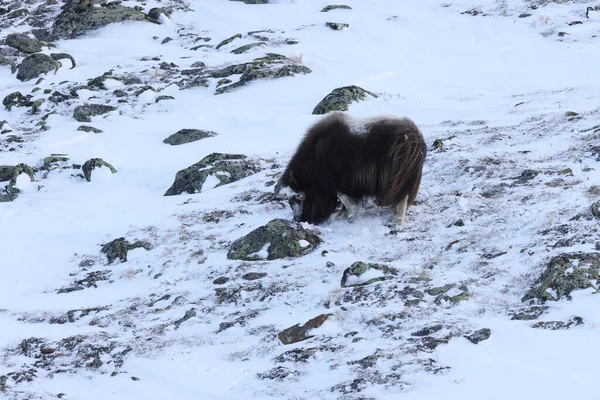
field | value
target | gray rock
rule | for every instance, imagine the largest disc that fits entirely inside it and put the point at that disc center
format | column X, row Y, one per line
column 358, row 268
column 284, row 239
column 84, row 112
column 24, row 43
column 479, row 335
column 227, row 168
column 336, row 7
column 9, row 62
column 595, row 208
column 254, row 1
column 247, row 47
column 337, row 26
column 256, row 74
column 228, row 40
column 119, row 248
column 74, row 20
column 564, row 274
column 17, row 99
column 187, row 136
column 87, row 128
column 35, row 65
column 555, row 325
column 340, row 98
column 91, row 164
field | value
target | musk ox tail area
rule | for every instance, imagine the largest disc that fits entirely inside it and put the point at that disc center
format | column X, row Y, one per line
column 351, row 158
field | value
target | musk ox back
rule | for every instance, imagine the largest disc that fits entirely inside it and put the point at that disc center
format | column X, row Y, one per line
column 344, row 158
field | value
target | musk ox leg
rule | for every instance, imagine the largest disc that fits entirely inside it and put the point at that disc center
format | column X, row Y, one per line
column 352, row 206
column 400, row 211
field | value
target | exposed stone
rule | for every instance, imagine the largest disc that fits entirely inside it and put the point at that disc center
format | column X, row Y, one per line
column 10, row 63
column 17, row 99
column 75, row 19
column 340, row 98
column 35, row 65
column 86, row 128
column 24, row 43
column 92, row 163
column 228, row 40
column 564, row 274
column 337, row 26
column 479, row 335
column 298, row 333
column 247, row 47
column 227, row 168
column 359, row 268
column 277, row 239
column 555, row 325
column 119, row 248
column 187, row 136
column 336, row 7
column 84, row 112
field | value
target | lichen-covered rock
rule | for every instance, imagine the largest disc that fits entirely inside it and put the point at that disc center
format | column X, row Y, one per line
column 87, row 128
column 35, row 65
column 228, row 40
column 245, row 48
column 253, row 1
column 17, row 99
column 10, row 63
column 119, row 248
column 564, row 274
column 276, row 240
column 340, row 98
column 336, row 7
column 298, row 333
column 271, row 65
column 479, row 335
column 555, row 325
column 337, row 26
column 74, row 20
column 84, row 112
column 361, row 274
column 183, row 136
column 23, row 43
column 92, row 163
column 227, row 168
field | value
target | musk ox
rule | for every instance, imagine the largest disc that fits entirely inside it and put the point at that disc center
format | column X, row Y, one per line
column 351, row 159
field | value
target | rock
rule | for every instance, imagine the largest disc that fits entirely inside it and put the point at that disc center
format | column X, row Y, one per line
column 86, row 128
column 228, row 40
column 529, row 313
column 340, row 98
column 254, row 1
column 427, row 331
column 359, row 268
column 221, row 280
column 92, row 163
column 9, row 62
column 74, row 21
column 226, row 168
column 595, row 208
column 187, row 136
column 8, row 197
column 10, row 173
column 84, row 112
column 255, row 74
column 247, row 47
column 337, row 26
column 298, row 333
column 252, row 276
column 17, row 99
column 119, row 248
column 35, row 65
column 555, row 325
column 17, row 13
column 564, row 274
column 276, row 240
column 154, row 13
column 336, row 7
column 479, row 335
column 23, row 43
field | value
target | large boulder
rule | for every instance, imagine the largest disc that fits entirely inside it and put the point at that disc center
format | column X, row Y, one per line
column 35, row 65
column 226, row 168
column 340, row 98
column 77, row 18
column 278, row 239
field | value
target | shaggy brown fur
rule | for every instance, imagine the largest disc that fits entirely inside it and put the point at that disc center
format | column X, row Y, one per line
column 351, row 159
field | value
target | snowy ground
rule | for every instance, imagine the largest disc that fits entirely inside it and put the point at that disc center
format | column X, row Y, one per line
column 496, row 87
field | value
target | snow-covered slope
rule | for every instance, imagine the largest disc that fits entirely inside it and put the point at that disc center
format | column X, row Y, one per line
column 507, row 96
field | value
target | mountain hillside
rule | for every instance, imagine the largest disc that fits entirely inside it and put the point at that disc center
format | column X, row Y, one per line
column 140, row 144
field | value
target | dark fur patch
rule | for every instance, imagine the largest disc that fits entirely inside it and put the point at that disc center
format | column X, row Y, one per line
column 384, row 161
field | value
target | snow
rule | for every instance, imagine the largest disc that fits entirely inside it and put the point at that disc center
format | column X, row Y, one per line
column 453, row 74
